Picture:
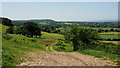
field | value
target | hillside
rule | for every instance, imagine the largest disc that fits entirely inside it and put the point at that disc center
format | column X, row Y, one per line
column 50, row 49
column 16, row 46
column 3, row 28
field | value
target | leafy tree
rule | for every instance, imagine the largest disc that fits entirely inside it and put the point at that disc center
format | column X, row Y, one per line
column 112, row 30
column 30, row 29
column 81, row 37
column 7, row 22
column 10, row 30
column 18, row 29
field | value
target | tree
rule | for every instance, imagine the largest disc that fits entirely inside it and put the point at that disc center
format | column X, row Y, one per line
column 112, row 30
column 7, row 22
column 81, row 37
column 10, row 30
column 18, row 29
column 30, row 29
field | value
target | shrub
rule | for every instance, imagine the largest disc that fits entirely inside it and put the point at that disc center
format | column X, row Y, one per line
column 33, row 40
column 7, row 36
column 61, row 49
column 60, row 43
column 10, row 30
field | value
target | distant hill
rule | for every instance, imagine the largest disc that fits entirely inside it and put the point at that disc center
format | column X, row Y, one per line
column 19, row 22
column 35, row 20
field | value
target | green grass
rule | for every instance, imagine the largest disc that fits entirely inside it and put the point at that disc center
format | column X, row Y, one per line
column 109, row 36
column 51, row 36
column 3, row 28
column 99, row 54
column 15, row 48
column 101, row 28
column 110, row 33
column 65, row 47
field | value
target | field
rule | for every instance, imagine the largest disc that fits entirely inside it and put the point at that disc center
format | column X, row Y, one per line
column 110, row 33
column 110, row 36
column 115, row 42
column 51, row 36
column 101, row 28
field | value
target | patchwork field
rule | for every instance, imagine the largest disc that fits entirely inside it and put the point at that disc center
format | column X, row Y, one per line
column 110, row 33
column 110, row 36
column 115, row 42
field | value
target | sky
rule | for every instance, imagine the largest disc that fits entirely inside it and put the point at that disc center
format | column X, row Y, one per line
column 61, row 11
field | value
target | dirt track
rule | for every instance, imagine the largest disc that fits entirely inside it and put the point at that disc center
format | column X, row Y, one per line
column 44, row 58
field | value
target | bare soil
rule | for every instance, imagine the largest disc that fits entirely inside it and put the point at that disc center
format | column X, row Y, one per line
column 44, row 58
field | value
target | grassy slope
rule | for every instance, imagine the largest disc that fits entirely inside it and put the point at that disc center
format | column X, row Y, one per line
column 16, row 46
column 3, row 28
column 51, row 36
column 14, row 49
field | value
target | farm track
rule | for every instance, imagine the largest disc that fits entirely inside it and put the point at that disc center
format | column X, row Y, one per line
column 44, row 58
column 50, row 47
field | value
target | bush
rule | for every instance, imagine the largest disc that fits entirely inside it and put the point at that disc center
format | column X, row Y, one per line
column 7, row 36
column 10, row 30
column 61, row 49
column 60, row 43
column 33, row 40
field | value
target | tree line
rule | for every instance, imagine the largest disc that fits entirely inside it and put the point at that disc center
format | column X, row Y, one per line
column 28, row 29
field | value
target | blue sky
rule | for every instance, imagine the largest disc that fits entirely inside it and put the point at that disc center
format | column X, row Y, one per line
column 77, row 11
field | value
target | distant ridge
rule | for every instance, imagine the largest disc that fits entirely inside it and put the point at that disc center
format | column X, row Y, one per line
column 36, row 20
column 50, row 20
